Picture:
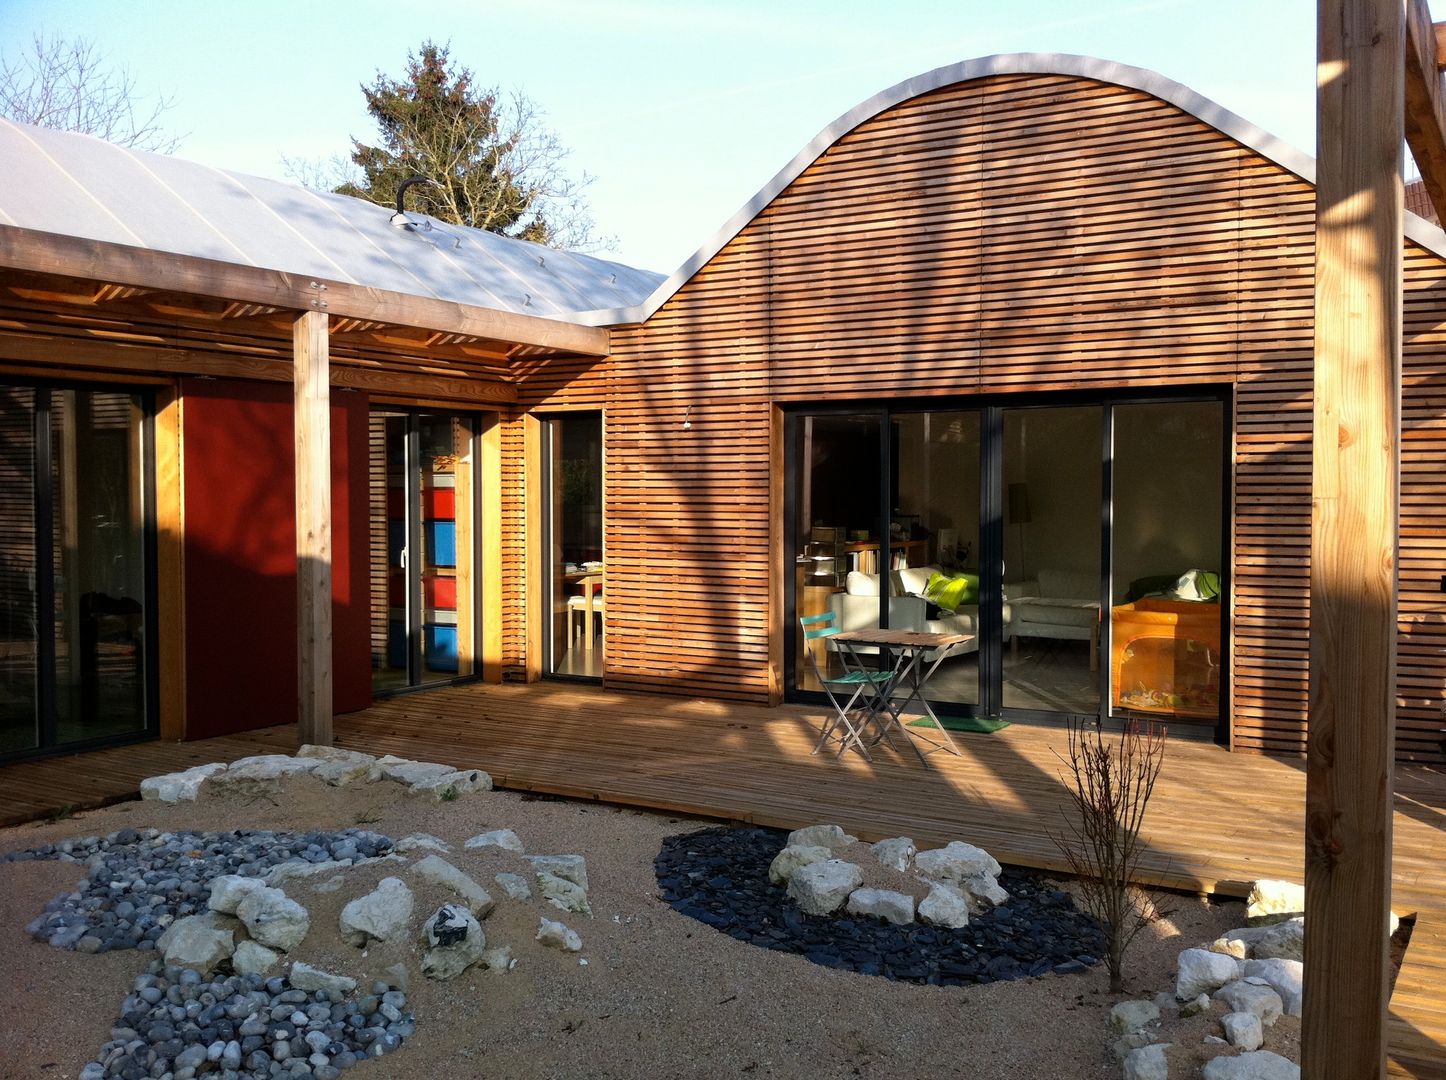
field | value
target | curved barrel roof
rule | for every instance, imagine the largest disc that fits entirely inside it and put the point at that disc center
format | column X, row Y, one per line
column 1085, row 67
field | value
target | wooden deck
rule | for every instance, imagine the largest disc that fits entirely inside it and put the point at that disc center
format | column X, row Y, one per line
column 1217, row 820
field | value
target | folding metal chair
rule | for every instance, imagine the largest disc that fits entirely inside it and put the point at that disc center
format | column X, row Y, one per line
column 867, row 689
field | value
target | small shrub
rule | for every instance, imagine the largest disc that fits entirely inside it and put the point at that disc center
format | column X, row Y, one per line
column 1111, row 782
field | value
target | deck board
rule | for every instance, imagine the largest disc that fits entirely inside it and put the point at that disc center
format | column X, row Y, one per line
column 1217, row 820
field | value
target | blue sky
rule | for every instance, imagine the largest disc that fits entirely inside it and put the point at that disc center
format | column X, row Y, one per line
column 681, row 110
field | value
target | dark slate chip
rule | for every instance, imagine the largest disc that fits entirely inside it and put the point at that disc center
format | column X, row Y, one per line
column 719, row 877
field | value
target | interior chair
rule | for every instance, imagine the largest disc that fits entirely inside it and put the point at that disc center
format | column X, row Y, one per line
column 577, row 610
column 866, row 689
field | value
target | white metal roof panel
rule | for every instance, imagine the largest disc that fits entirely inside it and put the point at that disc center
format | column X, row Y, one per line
column 76, row 185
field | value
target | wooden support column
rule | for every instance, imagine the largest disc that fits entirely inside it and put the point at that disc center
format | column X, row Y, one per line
column 1353, row 536
column 312, row 422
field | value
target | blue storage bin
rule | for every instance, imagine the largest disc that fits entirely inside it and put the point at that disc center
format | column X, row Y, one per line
column 442, row 542
column 441, row 647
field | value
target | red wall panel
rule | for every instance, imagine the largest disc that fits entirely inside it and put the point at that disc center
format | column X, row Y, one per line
column 240, row 567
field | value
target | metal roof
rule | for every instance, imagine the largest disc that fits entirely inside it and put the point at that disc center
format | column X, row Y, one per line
column 1423, row 232
column 78, row 185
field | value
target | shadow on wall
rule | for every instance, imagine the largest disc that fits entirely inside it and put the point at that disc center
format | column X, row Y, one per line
column 240, row 556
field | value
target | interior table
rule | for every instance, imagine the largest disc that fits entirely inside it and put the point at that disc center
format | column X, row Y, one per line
column 916, row 654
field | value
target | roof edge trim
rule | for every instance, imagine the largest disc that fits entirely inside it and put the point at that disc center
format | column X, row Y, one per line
column 1156, row 85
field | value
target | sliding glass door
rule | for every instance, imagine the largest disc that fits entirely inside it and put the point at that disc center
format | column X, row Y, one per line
column 76, row 568
column 422, row 520
column 575, row 604
column 1081, row 544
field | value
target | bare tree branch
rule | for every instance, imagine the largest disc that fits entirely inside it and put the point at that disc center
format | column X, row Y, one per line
column 67, row 85
column 1110, row 789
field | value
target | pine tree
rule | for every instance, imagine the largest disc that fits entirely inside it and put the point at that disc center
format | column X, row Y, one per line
column 492, row 163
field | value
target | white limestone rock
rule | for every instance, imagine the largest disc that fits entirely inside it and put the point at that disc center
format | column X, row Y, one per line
column 499, row 959
column 439, row 871
column 1283, row 941
column 955, row 863
column 179, row 786
column 1285, row 977
column 1203, row 972
column 897, row 853
column 515, row 886
column 555, row 935
column 339, row 767
column 1260, row 1001
column 571, row 867
column 263, row 767
column 454, row 940
column 273, row 918
column 944, row 906
column 1243, row 1030
column 822, row 887
column 1133, row 1041
column 228, row 890
column 1270, row 896
column 505, row 839
column 381, row 915
column 199, row 941
column 1230, row 946
column 563, row 894
column 893, row 907
column 420, row 841
column 1256, row 1065
column 1148, row 1063
column 1195, row 1006
column 305, row 977
column 829, row 836
column 448, row 786
column 1128, row 1016
column 408, row 772
column 253, row 959
column 983, row 890
column 792, row 857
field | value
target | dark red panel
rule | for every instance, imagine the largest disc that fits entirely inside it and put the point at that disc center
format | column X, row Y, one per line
column 241, row 556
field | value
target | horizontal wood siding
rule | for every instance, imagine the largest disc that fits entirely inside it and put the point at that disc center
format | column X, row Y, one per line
column 1023, row 232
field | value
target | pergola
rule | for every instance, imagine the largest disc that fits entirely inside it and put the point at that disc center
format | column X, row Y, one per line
column 1379, row 83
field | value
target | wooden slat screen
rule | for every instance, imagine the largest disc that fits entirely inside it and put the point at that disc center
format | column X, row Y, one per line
column 1021, row 232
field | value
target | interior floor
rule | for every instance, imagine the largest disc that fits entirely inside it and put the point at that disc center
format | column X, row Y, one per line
column 578, row 661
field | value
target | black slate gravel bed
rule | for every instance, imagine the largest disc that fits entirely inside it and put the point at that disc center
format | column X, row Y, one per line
column 719, row 876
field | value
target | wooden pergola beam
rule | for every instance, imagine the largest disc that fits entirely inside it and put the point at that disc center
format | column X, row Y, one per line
column 118, row 264
column 1425, row 102
column 312, row 422
column 1349, row 771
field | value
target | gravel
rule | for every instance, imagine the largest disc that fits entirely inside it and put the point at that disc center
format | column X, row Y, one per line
column 139, row 881
column 720, row 877
column 177, row 1022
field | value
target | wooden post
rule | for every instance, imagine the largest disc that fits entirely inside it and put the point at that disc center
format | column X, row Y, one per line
column 1353, row 537
column 312, row 422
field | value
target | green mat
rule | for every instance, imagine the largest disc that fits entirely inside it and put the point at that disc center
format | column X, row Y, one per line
column 981, row 724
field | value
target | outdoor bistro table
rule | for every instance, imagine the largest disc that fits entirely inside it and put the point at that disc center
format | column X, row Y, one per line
column 918, row 655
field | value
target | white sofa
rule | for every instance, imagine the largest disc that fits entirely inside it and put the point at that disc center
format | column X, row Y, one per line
column 857, row 607
column 1059, row 604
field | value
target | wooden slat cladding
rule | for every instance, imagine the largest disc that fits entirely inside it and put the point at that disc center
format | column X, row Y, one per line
column 1021, row 232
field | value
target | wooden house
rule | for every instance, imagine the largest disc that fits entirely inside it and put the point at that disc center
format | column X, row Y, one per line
column 1036, row 327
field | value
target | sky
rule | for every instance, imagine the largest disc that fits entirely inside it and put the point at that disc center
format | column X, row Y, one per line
column 680, row 110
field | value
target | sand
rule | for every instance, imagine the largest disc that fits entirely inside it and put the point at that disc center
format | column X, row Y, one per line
column 661, row 995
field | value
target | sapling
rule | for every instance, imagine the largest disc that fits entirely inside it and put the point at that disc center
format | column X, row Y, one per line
column 1111, row 781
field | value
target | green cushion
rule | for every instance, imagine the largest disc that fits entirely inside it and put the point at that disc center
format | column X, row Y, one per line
column 949, row 592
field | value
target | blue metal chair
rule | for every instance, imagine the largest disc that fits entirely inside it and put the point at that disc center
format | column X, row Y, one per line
column 867, row 689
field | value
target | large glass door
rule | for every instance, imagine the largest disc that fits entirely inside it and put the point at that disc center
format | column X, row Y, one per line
column 1081, row 545
column 76, row 568
column 574, row 571
column 422, row 520
column 1051, row 498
